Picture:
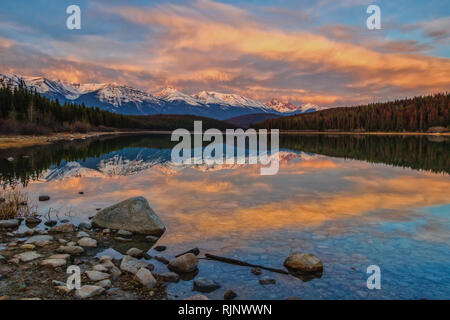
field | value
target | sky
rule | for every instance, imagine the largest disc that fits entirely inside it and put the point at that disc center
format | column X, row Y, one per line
column 298, row 51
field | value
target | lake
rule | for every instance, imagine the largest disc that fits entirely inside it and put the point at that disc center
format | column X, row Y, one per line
column 352, row 200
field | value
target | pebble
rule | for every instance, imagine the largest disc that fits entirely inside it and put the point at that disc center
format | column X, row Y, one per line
column 87, row 242
column 27, row 256
column 11, row 223
column 131, row 264
column 85, row 225
column 105, row 283
column 197, row 297
column 185, row 264
column 40, row 240
column 64, row 256
column 145, row 277
column 63, row 289
column 120, row 239
column 70, row 249
column 135, row 252
column 88, row 291
column 63, row 228
column 97, row 275
column 28, row 246
column 82, row 234
column 100, row 267
column 54, row 263
column 124, row 233
column 44, row 198
column 51, row 223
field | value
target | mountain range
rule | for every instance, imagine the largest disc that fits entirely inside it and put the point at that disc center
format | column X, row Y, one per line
column 131, row 101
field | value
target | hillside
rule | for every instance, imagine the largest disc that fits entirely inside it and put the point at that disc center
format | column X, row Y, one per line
column 23, row 111
column 246, row 120
column 417, row 114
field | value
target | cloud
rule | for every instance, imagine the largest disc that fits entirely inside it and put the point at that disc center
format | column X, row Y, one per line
column 207, row 45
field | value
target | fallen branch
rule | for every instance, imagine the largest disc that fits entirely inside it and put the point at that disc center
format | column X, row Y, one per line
column 242, row 263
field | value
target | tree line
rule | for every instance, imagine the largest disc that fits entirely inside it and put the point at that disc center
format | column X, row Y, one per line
column 24, row 111
column 417, row 114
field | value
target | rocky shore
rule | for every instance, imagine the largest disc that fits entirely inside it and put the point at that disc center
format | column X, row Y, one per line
column 36, row 262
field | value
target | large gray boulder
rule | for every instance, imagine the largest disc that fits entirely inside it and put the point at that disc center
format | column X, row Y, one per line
column 133, row 214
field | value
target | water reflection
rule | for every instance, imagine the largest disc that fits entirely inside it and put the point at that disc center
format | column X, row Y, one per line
column 350, row 213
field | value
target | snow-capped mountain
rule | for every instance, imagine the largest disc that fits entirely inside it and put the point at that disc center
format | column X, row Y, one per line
column 289, row 108
column 127, row 100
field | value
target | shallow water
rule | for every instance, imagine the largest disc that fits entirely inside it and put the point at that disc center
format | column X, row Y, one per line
column 353, row 201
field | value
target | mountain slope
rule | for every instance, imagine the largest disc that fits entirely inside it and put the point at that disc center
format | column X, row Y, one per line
column 130, row 101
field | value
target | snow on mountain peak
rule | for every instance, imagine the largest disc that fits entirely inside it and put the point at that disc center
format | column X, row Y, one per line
column 211, row 97
column 171, row 94
column 287, row 107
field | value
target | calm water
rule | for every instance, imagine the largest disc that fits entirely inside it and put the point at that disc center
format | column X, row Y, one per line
column 353, row 201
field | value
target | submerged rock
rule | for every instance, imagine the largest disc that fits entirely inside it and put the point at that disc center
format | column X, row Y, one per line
column 133, row 214
column 205, row 285
column 266, row 281
column 304, row 262
column 197, row 297
column 184, row 264
column 169, row 277
column 229, row 295
column 44, row 198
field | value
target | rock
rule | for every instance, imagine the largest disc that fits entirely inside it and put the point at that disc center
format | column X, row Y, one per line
column 40, row 240
column 97, row 275
column 184, row 264
column 293, row 298
column 229, row 295
column 256, row 271
column 265, row 281
column 106, row 231
column 160, row 248
column 195, row 251
column 11, row 223
column 133, row 214
column 27, row 256
column 72, row 244
column 63, row 289
column 151, row 238
column 304, row 262
column 135, row 252
column 87, row 242
column 169, row 277
column 124, row 233
column 32, row 221
column 105, row 258
column 197, row 297
column 82, row 234
column 81, row 192
column 105, row 283
column 100, row 267
column 85, row 226
column 2, row 258
column 10, row 159
column 51, row 223
column 12, row 244
column 88, row 291
column 28, row 246
column 120, row 239
column 70, row 249
column 205, row 285
column 64, row 228
column 162, row 259
column 145, row 277
column 115, row 272
column 44, row 198
column 58, row 283
column 54, row 263
column 132, row 265
column 64, row 256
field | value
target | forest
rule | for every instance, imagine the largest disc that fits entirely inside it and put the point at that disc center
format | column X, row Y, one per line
column 417, row 114
column 23, row 111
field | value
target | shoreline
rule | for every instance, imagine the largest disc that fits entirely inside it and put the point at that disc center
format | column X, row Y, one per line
column 21, row 141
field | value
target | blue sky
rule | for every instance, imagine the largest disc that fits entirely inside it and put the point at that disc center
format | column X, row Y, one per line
column 300, row 51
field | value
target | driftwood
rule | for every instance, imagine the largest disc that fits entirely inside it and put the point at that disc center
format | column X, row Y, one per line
column 195, row 251
column 242, row 263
